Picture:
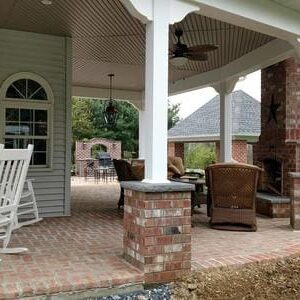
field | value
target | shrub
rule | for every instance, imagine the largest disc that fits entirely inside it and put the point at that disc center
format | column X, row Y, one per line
column 199, row 156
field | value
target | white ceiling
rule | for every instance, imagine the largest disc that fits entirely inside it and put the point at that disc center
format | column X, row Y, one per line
column 106, row 38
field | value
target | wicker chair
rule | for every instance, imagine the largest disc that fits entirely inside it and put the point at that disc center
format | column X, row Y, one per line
column 231, row 196
column 124, row 172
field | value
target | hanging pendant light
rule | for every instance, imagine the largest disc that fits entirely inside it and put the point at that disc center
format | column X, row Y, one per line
column 110, row 112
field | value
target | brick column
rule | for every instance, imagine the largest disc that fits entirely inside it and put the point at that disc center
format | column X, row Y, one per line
column 171, row 149
column 295, row 200
column 179, row 150
column 217, row 151
column 157, row 229
column 239, row 151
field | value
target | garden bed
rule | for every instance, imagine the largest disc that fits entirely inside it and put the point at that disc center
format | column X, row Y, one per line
column 273, row 280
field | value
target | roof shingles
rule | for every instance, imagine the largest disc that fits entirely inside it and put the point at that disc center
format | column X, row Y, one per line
column 206, row 120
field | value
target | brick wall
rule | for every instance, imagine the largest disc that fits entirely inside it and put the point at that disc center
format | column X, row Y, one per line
column 295, row 200
column 171, row 149
column 280, row 140
column 176, row 149
column 239, row 151
column 84, row 148
column 83, row 151
column 157, row 233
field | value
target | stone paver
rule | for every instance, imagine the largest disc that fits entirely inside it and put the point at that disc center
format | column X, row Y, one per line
column 85, row 251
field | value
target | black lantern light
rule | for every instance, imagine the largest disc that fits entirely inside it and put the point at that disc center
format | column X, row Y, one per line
column 110, row 112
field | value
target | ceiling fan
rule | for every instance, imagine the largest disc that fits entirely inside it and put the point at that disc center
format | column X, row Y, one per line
column 180, row 53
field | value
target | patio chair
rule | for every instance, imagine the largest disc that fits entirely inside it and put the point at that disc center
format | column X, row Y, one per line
column 231, row 196
column 124, row 173
column 27, row 213
column 14, row 165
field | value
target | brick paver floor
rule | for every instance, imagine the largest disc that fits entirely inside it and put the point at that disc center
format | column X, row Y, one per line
column 85, row 251
column 71, row 253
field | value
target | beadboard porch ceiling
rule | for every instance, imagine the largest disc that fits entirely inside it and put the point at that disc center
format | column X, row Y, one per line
column 106, row 38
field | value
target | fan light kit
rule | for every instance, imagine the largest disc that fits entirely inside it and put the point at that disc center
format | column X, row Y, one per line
column 180, row 53
column 179, row 61
column 47, row 2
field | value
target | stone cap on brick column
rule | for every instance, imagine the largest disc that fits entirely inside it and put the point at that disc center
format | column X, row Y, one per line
column 157, row 187
column 294, row 174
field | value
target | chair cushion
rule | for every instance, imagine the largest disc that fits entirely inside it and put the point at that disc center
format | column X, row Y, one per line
column 138, row 171
column 174, row 170
column 175, row 165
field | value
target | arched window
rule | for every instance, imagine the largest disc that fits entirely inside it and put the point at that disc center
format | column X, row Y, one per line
column 27, row 89
column 26, row 108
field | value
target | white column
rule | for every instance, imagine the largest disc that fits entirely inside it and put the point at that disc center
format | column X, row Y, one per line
column 157, row 15
column 156, row 94
column 225, row 127
column 142, row 134
column 225, row 89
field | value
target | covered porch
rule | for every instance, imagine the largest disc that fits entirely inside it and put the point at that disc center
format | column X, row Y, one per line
column 83, row 253
column 68, row 48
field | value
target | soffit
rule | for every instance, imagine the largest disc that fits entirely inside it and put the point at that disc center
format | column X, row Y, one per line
column 292, row 4
column 106, row 38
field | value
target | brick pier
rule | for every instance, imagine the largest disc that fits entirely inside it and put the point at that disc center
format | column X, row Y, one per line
column 295, row 200
column 157, row 229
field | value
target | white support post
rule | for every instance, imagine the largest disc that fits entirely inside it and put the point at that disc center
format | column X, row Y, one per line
column 225, row 89
column 156, row 94
column 157, row 14
column 142, row 134
column 225, row 127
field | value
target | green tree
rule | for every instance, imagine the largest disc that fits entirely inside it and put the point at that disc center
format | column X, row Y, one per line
column 125, row 129
column 173, row 114
column 88, row 122
column 199, row 156
column 82, row 126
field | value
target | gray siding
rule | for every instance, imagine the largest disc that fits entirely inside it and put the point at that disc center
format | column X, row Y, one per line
column 44, row 55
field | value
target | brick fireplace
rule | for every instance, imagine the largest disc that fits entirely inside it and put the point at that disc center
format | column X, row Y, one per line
column 277, row 150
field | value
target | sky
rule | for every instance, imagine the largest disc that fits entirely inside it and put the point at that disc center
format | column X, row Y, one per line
column 191, row 101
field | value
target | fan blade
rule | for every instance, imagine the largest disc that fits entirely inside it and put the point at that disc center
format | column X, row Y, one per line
column 202, row 48
column 198, row 56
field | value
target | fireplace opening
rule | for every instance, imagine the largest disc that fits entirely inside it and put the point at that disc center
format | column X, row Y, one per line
column 272, row 176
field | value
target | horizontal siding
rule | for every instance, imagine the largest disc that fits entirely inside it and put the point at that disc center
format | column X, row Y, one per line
column 44, row 55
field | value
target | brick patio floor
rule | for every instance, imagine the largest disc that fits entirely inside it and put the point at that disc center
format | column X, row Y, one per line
column 85, row 251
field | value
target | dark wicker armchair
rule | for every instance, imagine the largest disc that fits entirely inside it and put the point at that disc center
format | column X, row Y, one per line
column 231, row 196
column 124, row 172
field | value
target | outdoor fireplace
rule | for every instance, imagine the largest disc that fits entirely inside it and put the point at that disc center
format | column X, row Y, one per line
column 272, row 176
column 278, row 148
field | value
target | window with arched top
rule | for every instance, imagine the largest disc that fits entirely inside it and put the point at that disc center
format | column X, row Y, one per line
column 26, row 108
column 27, row 89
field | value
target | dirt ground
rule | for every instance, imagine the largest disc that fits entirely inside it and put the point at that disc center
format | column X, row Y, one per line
column 274, row 280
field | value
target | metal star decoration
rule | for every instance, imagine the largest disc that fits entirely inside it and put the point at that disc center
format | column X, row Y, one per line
column 273, row 110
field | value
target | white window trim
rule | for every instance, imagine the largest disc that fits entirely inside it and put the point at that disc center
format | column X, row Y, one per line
column 29, row 104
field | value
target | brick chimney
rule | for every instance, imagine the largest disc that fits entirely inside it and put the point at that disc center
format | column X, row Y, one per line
column 278, row 148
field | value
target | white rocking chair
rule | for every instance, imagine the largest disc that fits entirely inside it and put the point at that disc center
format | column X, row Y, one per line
column 14, row 165
column 27, row 207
